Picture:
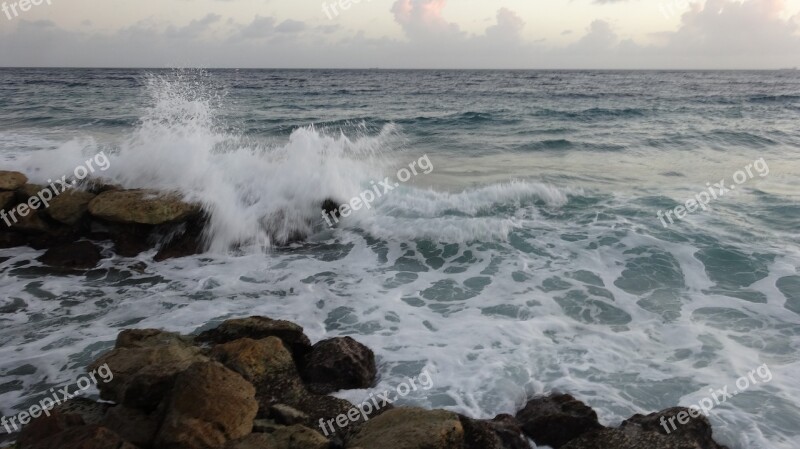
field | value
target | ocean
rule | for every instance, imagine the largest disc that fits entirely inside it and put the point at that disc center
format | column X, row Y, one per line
column 548, row 244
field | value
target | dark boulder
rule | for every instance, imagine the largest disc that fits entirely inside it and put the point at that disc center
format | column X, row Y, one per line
column 79, row 255
column 339, row 363
column 556, row 419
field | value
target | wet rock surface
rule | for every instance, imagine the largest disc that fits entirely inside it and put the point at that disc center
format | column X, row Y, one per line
column 239, row 386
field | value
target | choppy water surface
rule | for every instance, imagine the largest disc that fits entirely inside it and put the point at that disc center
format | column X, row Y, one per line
column 530, row 258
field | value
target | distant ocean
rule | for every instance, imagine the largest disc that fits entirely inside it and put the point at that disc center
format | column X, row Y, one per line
column 530, row 259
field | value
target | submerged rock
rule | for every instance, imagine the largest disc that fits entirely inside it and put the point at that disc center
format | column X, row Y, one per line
column 12, row 180
column 139, row 206
column 79, row 255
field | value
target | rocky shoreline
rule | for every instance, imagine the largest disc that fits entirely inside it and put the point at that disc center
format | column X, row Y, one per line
column 259, row 383
column 77, row 216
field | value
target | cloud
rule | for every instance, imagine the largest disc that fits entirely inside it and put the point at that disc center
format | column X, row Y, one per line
column 711, row 35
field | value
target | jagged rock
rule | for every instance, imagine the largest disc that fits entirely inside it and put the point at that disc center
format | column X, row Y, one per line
column 265, row 426
column 411, row 428
column 503, row 432
column 144, row 374
column 340, row 363
column 208, row 406
column 556, row 419
column 12, row 180
column 258, row 327
column 133, row 425
column 141, row 207
column 78, row 255
column 649, row 431
column 264, row 361
column 70, row 207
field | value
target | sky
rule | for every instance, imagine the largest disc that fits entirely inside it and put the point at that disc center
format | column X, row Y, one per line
column 480, row 34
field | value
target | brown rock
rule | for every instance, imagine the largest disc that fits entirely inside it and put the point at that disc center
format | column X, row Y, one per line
column 264, row 361
column 141, row 207
column 143, row 376
column 133, row 425
column 83, row 437
column 556, row 419
column 12, row 180
column 293, row 437
column 287, row 416
column 79, row 255
column 45, row 427
column 6, row 199
column 28, row 191
column 411, row 428
column 258, row 327
column 209, row 405
column 149, row 338
column 649, row 431
column 32, row 223
column 70, row 207
column 340, row 363
column 503, row 432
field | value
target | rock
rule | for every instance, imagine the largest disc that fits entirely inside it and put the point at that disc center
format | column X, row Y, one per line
column 188, row 243
column 131, row 240
column 556, row 419
column 12, row 180
column 287, row 416
column 28, row 191
column 133, row 425
column 144, row 374
column 91, row 412
column 79, row 255
column 651, row 432
column 411, row 428
column 340, row 363
column 70, row 207
column 264, row 361
column 149, row 338
column 31, row 223
column 265, row 426
column 503, row 432
column 258, row 327
column 45, row 427
column 11, row 239
column 647, row 432
column 6, row 199
column 141, row 207
column 209, row 405
column 299, row 437
column 82, row 437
